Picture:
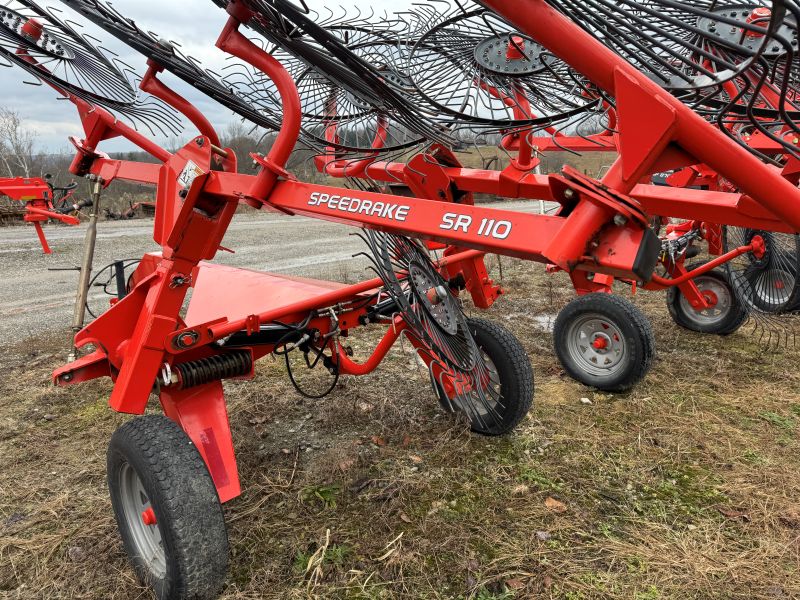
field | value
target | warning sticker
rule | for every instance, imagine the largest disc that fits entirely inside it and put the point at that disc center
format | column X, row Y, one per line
column 189, row 173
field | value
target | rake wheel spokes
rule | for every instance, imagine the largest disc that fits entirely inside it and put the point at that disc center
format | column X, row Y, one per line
column 168, row 55
column 437, row 326
column 333, row 116
column 343, row 50
column 473, row 66
column 733, row 62
column 767, row 282
column 46, row 46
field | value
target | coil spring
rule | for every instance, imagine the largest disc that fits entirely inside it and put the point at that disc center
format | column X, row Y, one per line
column 221, row 366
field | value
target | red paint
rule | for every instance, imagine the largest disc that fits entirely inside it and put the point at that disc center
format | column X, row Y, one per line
column 149, row 516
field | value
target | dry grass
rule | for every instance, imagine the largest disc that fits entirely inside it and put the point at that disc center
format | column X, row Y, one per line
column 685, row 488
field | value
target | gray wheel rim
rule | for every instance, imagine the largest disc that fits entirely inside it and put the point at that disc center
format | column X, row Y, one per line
column 146, row 539
column 597, row 361
column 713, row 314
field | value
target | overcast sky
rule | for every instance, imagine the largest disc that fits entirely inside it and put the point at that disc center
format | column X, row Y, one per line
column 195, row 24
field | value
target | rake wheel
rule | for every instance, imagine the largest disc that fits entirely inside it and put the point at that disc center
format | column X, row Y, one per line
column 767, row 283
column 473, row 66
column 733, row 62
column 40, row 42
column 168, row 55
column 334, row 48
column 459, row 374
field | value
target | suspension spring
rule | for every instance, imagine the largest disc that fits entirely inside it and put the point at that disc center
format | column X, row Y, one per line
column 206, row 370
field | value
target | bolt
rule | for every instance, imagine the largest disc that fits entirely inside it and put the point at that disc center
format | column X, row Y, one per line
column 569, row 194
column 149, row 516
column 183, row 193
column 620, row 220
column 199, row 141
column 66, row 377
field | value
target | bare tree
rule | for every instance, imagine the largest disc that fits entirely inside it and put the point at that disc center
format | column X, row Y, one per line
column 16, row 144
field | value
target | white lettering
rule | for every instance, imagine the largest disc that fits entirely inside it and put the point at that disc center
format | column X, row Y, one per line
column 385, row 210
column 448, row 220
column 502, row 230
column 463, row 222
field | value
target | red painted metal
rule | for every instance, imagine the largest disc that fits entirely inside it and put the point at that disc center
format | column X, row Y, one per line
column 143, row 332
column 149, row 516
column 38, row 198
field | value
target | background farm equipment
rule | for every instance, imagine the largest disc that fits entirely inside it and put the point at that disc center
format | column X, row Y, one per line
column 134, row 210
column 383, row 79
column 41, row 201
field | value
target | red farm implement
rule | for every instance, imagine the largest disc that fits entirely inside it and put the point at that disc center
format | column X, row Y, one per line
column 372, row 103
column 42, row 202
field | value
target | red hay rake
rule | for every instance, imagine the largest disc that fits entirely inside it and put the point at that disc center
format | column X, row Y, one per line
column 385, row 102
column 42, row 202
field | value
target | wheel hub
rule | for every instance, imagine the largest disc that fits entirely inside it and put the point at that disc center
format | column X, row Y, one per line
column 434, row 298
column 34, row 32
column 739, row 36
column 600, row 342
column 717, row 296
column 149, row 516
column 597, row 344
column 509, row 55
column 774, row 286
column 710, row 298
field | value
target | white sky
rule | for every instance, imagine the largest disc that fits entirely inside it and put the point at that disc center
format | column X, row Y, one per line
column 194, row 24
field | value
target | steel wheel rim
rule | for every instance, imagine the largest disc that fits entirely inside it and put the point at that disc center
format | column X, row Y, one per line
column 149, row 546
column 713, row 314
column 599, row 362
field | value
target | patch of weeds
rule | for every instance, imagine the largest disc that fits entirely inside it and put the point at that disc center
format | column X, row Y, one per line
column 300, row 563
column 335, row 555
column 596, row 580
column 322, row 494
column 785, row 423
column 753, row 457
column 93, row 412
column 485, row 594
column 650, row 593
column 683, row 492
column 607, row 530
column 636, row 564
column 554, row 544
column 795, row 408
column 539, row 479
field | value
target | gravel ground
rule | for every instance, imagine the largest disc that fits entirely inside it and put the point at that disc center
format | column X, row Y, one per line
column 36, row 300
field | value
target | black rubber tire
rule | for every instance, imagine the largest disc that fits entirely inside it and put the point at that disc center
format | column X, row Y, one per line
column 730, row 323
column 632, row 324
column 514, row 371
column 186, row 505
